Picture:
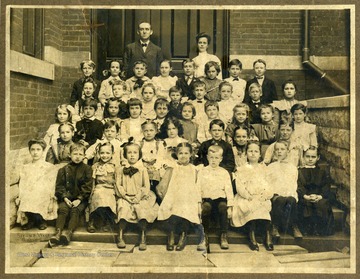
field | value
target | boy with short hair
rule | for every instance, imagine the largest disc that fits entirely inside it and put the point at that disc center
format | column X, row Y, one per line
column 131, row 127
column 216, row 129
column 186, row 82
column 89, row 129
column 161, row 107
column 238, row 84
column 254, row 103
column 216, row 193
column 199, row 91
column 136, row 82
column 315, row 196
column 211, row 109
column 73, row 188
column 267, row 85
column 175, row 108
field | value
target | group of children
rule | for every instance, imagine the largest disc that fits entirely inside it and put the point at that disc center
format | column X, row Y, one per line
column 179, row 150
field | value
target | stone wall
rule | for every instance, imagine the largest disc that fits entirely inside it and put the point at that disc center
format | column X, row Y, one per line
column 332, row 118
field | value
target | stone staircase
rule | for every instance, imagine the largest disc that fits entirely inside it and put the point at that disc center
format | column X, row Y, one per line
column 157, row 236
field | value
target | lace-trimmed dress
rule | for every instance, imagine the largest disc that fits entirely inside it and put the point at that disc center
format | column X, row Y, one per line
column 103, row 194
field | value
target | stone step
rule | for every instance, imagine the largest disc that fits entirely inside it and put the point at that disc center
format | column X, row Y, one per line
column 157, row 236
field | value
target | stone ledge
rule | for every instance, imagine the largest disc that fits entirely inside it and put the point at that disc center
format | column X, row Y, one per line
column 26, row 64
column 336, row 117
column 329, row 102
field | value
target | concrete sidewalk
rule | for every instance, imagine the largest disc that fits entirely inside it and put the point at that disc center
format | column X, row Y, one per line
column 106, row 257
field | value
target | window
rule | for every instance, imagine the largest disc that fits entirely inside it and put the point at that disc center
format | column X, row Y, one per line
column 33, row 32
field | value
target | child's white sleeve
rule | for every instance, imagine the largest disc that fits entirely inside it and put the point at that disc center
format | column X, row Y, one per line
column 91, row 151
column 269, row 154
column 228, row 189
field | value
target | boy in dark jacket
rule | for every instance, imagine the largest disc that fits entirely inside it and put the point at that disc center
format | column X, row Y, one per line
column 73, row 188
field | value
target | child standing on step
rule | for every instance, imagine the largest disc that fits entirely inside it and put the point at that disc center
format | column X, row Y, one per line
column 315, row 196
column 181, row 204
column 102, row 202
column 136, row 203
column 73, row 188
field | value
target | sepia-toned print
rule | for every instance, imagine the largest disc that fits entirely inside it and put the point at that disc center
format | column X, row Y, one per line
column 198, row 139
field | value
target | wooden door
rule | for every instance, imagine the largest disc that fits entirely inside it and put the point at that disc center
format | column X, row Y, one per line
column 174, row 32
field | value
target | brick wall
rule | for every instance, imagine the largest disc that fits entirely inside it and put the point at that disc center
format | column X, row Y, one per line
column 265, row 32
column 280, row 33
column 76, row 39
column 330, row 32
column 53, row 35
column 33, row 100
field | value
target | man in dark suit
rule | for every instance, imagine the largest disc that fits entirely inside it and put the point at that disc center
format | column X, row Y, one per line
column 144, row 50
column 267, row 85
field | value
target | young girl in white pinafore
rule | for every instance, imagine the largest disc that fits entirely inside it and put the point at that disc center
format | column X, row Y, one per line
column 252, row 203
column 36, row 201
column 136, row 203
column 181, row 205
column 102, row 202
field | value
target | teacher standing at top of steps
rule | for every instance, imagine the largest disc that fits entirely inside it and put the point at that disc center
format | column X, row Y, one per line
column 143, row 49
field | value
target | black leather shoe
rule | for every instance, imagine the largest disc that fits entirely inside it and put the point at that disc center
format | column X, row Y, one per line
column 182, row 242
column 252, row 243
column 121, row 243
column 171, row 242
column 91, row 228
column 65, row 237
column 224, row 244
column 55, row 239
column 142, row 246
